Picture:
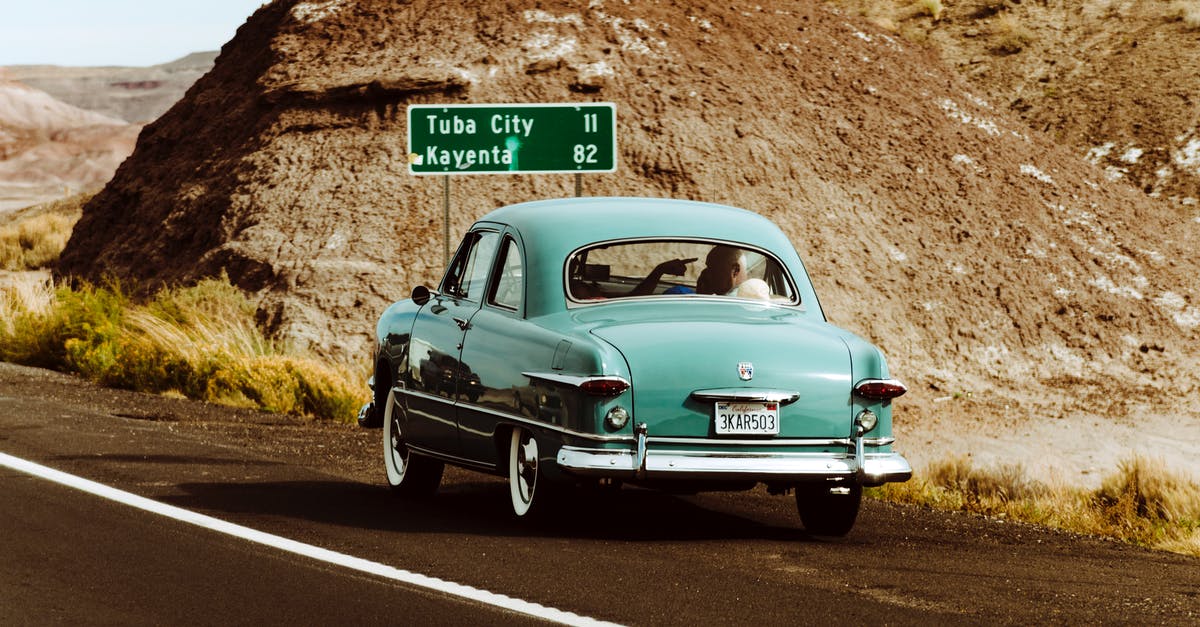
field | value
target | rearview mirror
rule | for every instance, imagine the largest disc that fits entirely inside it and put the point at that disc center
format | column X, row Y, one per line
column 596, row 272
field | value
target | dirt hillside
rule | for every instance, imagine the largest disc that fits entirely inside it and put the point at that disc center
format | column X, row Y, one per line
column 1119, row 80
column 1016, row 288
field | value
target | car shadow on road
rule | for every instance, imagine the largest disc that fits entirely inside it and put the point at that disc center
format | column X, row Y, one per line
column 482, row 508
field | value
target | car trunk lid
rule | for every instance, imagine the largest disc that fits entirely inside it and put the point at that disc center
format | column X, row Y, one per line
column 680, row 368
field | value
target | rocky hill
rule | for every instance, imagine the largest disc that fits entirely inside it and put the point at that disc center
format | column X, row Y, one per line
column 1016, row 287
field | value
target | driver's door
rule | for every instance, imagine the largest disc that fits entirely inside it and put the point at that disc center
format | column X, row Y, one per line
column 436, row 373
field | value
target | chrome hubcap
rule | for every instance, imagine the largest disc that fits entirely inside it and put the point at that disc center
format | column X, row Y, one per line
column 527, row 462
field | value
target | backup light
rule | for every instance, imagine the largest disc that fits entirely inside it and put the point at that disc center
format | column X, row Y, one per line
column 616, row 418
column 867, row 420
column 880, row 389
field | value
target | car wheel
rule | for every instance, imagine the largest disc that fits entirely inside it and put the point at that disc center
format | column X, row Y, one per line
column 408, row 474
column 828, row 511
column 523, row 473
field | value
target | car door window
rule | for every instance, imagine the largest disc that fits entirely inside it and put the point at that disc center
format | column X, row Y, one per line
column 510, row 279
column 468, row 273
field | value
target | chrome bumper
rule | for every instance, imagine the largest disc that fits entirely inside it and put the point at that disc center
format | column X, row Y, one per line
column 875, row 469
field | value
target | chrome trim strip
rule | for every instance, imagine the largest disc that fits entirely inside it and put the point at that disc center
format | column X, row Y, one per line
column 876, row 468
column 572, row 380
column 402, row 391
column 524, row 420
column 890, row 381
column 454, row 459
column 763, row 442
column 846, row 442
column 746, row 395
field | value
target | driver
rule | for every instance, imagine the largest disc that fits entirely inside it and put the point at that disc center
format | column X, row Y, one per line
column 724, row 270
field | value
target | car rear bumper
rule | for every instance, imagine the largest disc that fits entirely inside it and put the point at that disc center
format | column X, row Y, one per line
column 875, row 469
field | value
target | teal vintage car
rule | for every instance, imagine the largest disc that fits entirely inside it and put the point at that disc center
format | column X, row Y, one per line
column 666, row 343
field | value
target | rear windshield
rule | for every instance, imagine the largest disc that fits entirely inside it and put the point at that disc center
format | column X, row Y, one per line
column 677, row 268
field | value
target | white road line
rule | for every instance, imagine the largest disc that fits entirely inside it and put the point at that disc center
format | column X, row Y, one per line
column 299, row 548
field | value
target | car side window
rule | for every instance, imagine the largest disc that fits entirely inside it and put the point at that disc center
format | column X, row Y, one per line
column 468, row 273
column 510, row 280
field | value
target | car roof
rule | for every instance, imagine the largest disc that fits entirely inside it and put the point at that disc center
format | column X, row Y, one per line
column 551, row 230
column 576, row 222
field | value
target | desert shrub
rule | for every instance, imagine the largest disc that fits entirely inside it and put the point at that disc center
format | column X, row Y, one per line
column 285, row 385
column 328, row 391
column 74, row 333
column 199, row 341
column 264, row 382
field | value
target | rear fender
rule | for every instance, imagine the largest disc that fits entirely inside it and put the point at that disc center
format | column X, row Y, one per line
column 868, row 362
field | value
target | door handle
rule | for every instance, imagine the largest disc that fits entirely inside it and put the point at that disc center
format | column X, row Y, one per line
column 463, row 323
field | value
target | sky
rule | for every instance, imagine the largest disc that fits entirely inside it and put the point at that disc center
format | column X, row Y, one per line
column 116, row 32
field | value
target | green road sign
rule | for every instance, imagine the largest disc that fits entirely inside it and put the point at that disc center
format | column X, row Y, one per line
column 512, row 138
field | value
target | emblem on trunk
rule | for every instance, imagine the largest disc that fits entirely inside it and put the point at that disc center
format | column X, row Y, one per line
column 745, row 370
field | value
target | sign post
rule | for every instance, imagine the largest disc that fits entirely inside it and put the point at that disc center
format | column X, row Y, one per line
column 566, row 138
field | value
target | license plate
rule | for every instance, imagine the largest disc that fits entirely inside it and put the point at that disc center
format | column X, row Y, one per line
column 747, row 418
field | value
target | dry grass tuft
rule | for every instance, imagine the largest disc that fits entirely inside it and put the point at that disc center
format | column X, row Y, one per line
column 199, row 342
column 1143, row 498
column 35, row 237
column 932, row 8
column 1141, row 503
column 1011, row 36
column 24, row 294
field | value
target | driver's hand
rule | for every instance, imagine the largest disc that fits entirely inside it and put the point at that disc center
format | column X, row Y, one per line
column 676, row 267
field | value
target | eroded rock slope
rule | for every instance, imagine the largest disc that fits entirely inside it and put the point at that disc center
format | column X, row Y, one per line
column 1007, row 278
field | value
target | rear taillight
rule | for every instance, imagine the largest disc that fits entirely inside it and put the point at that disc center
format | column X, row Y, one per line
column 879, row 389
column 604, row 386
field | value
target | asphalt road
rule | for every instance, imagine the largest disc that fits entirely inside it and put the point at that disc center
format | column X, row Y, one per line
column 633, row 557
column 74, row 558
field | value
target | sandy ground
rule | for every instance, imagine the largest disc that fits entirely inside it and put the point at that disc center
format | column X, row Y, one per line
column 1077, row 451
column 18, row 196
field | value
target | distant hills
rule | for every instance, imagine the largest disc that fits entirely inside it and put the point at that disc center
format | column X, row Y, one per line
column 133, row 94
column 67, row 129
